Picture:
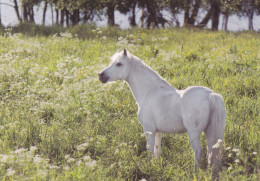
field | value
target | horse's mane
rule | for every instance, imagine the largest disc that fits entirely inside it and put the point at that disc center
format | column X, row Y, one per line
column 139, row 65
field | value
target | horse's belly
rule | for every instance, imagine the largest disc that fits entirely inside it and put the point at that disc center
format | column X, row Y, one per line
column 167, row 114
column 170, row 125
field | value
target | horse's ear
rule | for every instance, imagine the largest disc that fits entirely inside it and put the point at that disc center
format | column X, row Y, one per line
column 125, row 52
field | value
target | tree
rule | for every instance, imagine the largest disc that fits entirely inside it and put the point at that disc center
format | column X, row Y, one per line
column 215, row 5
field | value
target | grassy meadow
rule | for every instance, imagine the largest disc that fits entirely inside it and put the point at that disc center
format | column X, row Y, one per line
column 58, row 122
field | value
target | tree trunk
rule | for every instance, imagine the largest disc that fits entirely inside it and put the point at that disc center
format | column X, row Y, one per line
column 225, row 20
column 44, row 12
column 250, row 14
column 17, row 11
column 132, row 20
column 62, row 17
column 111, row 14
column 186, row 15
column 52, row 20
column 189, row 20
column 25, row 13
column 31, row 14
column 142, row 18
column 205, row 20
column 215, row 14
column 57, row 16
column 67, row 18
column 75, row 17
column 152, row 18
column 194, row 12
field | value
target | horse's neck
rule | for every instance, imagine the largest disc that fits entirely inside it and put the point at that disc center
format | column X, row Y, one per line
column 142, row 81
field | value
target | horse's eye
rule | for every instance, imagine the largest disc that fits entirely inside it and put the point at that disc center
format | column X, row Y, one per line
column 119, row 64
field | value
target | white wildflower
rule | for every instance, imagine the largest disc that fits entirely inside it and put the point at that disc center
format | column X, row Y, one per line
column 123, row 144
column 229, row 168
column 218, row 144
column 19, row 151
column 37, row 159
column 33, row 148
column 67, row 157
column 229, row 155
column 237, row 161
column 91, row 163
column 3, row 158
column 10, row 172
column 236, row 150
column 70, row 160
column 82, row 146
column 228, row 148
column 116, row 151
column 79, row 162
column 143, row 179
column 54, row 167
column 254, row 153
column 86, row 158
column 42, row 173
column 66, row 167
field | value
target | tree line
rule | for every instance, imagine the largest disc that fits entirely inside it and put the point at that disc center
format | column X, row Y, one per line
column 72, row 12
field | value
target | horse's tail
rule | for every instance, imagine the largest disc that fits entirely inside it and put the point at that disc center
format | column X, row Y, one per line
column 215, row 130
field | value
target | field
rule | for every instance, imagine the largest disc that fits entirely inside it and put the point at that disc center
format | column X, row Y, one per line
column 58, row 122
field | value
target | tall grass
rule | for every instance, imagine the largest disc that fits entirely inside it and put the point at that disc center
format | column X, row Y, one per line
column 58, row 122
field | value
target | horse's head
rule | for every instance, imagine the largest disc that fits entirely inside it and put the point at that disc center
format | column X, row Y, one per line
column 118, row 68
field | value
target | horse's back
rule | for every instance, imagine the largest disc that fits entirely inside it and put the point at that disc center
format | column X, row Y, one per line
column 195, row 107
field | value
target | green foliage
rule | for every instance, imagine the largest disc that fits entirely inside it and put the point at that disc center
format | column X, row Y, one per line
column 58, row 122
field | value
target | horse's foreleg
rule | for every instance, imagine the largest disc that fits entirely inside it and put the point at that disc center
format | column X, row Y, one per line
column 150, row 138
column 157, row 145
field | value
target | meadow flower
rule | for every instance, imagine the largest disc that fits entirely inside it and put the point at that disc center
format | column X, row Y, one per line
column 70, row 160
column 229, row 168
column 33, row 148
column 54, row 167
column 66, row 167
column 82, row 146
column 116, row 151
column 67, row 157
column 86, row 158
column 123, row 144
column 237, row 161
column 79, row 162
column 236, row 150
column 10, row 172
column 143, row 179
column 218, row 144
column 19, row 151
column 37, row 159
column 228, row 148
column 254, row 153
column 42, row 173
column 3, row 158
column 229, row 155
column 91, row 163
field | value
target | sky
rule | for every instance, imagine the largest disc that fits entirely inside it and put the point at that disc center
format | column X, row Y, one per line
column 9, row 18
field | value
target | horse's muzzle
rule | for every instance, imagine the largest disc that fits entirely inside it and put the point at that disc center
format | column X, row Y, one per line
column 102, row 77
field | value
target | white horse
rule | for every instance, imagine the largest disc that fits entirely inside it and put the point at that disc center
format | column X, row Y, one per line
column 164, row 109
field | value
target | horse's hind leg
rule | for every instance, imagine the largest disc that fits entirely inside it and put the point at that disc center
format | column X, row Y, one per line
column 195, row 143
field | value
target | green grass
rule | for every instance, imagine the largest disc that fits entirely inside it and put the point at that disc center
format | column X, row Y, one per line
column 58, row 122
